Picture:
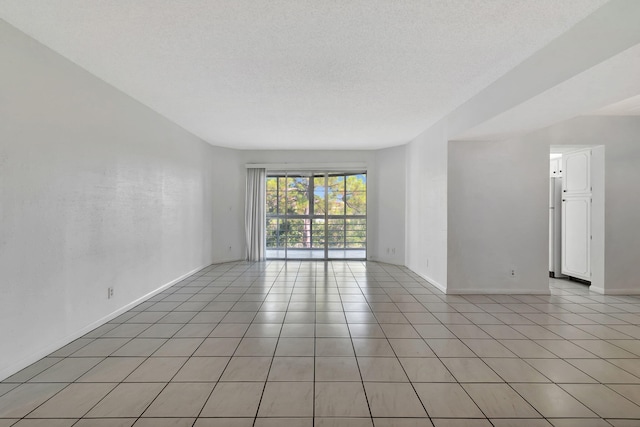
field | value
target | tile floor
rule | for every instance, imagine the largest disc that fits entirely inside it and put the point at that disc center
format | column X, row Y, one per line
column 341, row 344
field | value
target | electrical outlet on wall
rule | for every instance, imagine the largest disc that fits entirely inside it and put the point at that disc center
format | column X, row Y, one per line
column 109, row 293
column 512, row 273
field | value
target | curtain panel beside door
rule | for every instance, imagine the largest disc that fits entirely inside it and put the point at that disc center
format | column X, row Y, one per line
column 255, row 214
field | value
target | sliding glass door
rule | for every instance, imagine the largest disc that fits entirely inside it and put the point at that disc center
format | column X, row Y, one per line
column 316, row 215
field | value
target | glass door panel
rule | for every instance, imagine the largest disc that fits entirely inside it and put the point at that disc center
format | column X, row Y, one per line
column 319, row 215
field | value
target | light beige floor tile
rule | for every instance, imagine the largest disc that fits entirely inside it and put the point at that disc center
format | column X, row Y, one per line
column 602, row 331
column 366, row 330
column 337, row 369
column 383, row 369
column 603, row 401
column 164, row 422
column 256, row 347
column 217, row 347
column 461, row 422
column 527, row 348
column 566, row 349
column 515, row 370
column 298, row 330
column 67, row 370
column 178, row 347
column 247, row 369
column 266, row 330
column 469, row 370
column 360, row 317
column 468, row 331
column 197, row 369
column 559, row 371
column 520, row 422
column 447, row 401
column 333, row 399
column 45, row 423
column 140, row 347
column 73, row 402
column 180, row 400
column 284, row 422
column 487, row 348
column 23, row 399
column 333, row 347
column 105, row 422
column 101, row 347
column 292, row 369
column 402, row 422
column 434, row 331
column 623, row 423
column 449, row 348
column 127, row 400
column 224, row 422
column 76, row 345
column 603, row 349
column 536, row 332
column 579, row 422
column 234, row 400
column 282, row 399
column 328, row 330
column 500, row 401
column 393, row 400
column 198, row 330
column 421, row 318
column 295, row 347
column 127, row 330
column 393, row 330
column 632, row 346
column 7, row 387
column 112, row 369
column 343, row 422
column 569, row 332
column 502, row 332
column 630, row 365
column 391, row 318
column 229, row 330
column 604, row 371
column 156, row 369
column 411, row 348
column 630, row 391
column 372, row 347
column 426, row 370
column 32, row 370
column 551, row 401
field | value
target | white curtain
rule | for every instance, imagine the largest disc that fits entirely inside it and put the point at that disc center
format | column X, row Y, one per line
column 255, row 215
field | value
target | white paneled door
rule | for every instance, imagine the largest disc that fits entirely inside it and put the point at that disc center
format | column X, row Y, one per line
column 576, row 214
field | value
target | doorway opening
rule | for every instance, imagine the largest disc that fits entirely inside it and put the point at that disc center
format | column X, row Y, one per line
column 576, row 214
column 316, row 215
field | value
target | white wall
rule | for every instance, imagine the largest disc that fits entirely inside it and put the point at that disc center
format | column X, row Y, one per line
column 620, row 137
column 390, row 186
column 96, row 191
column 498, row 217
column 426, row 200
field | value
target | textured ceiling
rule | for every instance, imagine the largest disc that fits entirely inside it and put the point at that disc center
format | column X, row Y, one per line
column 283, row 74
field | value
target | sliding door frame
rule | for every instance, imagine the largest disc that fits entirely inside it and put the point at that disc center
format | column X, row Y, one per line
column 311, row 216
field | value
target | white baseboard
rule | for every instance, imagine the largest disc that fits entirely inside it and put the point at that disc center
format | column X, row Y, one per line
column 622, row 291
column 45, row 351
column 385, row 260
column 498, row 291
column 222, row 261
column 440, row 286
